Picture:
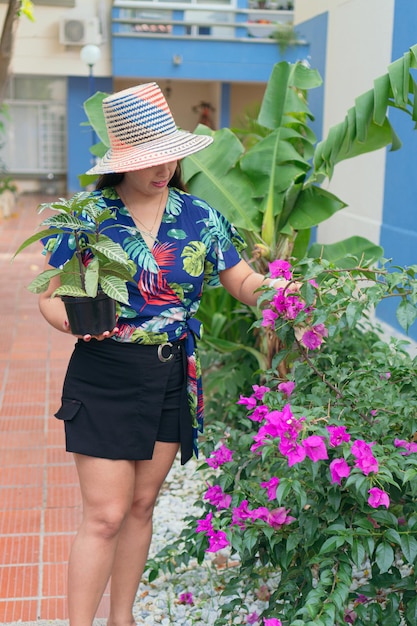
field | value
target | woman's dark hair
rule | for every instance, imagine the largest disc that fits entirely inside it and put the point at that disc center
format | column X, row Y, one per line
column 115, row 178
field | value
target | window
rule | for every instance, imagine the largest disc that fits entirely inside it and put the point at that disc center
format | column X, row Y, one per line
column 34, row 140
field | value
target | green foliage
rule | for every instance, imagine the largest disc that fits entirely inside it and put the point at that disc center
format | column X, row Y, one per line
column 98, row 262
column 336, row 556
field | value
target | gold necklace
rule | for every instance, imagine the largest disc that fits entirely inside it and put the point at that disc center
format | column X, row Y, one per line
column 147, row 232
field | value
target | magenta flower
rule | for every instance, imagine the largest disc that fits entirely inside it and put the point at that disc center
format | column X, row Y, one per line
column 367, row 464
column 259, row 391
column 217, row 541
column 410, row 446
column 250, row 403
column 272, row 621
column 252, row 618
column 286, row 387
column 315, row 448
column 294, row 451
column 280, row 269
column 361, row 448
column 385, row 376
column 259, row 413
column 269, row 317
column 279, row 517
column 377, row 498
column 338, row 435
column 217, row 497
column 205, row 525
column 313, row 282
column 240, row 514
column 186, row 598
column 339, row 469
column 271, row 487
column 220, row 456
column 313, row 337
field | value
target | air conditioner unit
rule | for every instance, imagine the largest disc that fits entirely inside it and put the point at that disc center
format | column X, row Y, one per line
column 78, row 32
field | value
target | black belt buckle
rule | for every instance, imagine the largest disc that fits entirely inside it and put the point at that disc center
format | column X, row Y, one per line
column 161, row 357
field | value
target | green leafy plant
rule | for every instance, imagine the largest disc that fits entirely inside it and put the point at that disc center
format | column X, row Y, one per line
column 97, row 263
column 311, row 491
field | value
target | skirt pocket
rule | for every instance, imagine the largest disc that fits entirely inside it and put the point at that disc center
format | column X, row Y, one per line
column 68, row 409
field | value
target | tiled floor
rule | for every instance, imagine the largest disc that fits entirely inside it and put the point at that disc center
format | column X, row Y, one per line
column 39, row 498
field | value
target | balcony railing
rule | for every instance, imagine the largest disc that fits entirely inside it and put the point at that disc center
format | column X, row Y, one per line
column 187, row 20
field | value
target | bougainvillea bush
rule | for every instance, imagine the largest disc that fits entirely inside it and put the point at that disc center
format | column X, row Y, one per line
column 311, row 491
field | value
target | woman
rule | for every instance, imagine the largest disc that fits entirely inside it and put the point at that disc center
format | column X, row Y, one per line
column 132, row 396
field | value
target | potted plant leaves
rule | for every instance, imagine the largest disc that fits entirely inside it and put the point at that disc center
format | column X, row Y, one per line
column 93, row 282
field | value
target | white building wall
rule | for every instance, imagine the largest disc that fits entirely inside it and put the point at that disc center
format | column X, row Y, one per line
column 37, row 47
column 358, row 51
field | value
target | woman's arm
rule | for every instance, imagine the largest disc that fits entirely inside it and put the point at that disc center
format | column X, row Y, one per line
column 242, row 282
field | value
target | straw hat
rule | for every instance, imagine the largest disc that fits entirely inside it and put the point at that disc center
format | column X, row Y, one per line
column 142, row 132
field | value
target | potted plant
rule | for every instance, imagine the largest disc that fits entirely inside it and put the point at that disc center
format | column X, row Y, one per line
column 94, row 281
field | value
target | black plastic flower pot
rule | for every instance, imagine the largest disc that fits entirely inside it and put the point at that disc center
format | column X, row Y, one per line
column 90, row 316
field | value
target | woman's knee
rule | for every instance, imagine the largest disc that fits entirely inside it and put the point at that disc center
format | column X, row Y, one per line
column 105, row 524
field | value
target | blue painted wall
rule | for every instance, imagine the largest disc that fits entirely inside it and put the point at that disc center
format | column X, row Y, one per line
column 399, row 228
column 80, row 137
column 201, row 59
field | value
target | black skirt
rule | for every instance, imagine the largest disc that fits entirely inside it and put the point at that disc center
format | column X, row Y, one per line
column 119, row 398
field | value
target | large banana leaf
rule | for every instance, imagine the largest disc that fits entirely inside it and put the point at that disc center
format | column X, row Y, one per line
column 366, row 126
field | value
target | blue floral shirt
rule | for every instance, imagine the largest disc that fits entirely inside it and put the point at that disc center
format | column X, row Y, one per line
column 194, row 243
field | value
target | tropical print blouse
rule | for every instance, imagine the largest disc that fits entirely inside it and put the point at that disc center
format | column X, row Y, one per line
column 194, row 243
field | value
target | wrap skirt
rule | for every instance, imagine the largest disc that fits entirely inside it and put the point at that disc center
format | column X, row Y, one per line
column 119, row 398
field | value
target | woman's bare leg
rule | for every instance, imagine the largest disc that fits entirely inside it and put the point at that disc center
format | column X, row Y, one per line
column 107, row 489
column 135, row 536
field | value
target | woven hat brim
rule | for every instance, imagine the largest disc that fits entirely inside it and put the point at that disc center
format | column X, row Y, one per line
column 163, row 150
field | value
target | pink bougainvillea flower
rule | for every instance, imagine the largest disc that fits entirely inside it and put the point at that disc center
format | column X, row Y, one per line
column 186, row 598
column 313, row 282
column 313, row 337
column 205, row 525
column 286, row 387
column 260, row 439
column 293, row 305
column 410, row 446
column 271, row 487
column 378, row 497
column 280, row 269
column 217, row 541
column 269, row 316
column 272, row 621
column 315, row 448
column 217, row 497
column 240, row 514
column 259, row 413
column 367, row 463
column 339, row 469
column 252, row 618
column 249, row 402
column 361, row 448
column 338, row 435
column 220, row 456
column 294, row 451
column 259, row 391
column 385, row 376
column 279, row 517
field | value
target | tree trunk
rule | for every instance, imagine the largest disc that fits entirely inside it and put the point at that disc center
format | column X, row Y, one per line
column 6, row 44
